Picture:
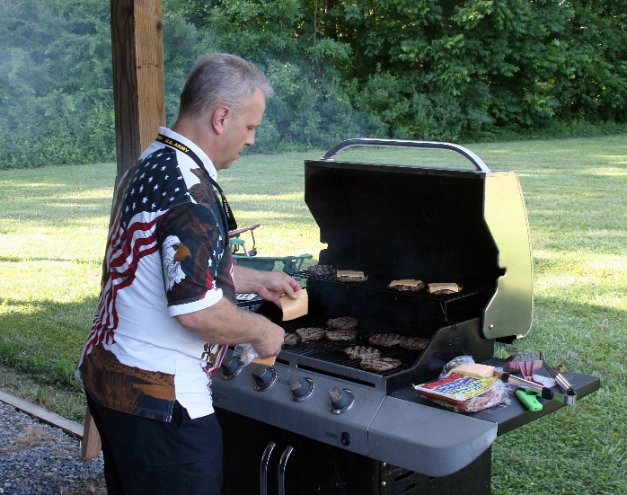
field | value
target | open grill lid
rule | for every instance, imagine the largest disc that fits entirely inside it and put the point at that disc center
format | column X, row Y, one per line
column 434, row 224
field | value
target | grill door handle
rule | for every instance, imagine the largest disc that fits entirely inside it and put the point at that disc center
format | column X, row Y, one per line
column 263, row 468
column 283, row 466
column 400, row 143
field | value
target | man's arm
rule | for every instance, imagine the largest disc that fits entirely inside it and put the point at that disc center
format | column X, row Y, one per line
column 225, row 323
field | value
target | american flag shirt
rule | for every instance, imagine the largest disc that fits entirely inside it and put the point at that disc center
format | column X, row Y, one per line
column 167, row 254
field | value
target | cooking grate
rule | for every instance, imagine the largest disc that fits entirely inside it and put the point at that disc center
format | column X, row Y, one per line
column 333, row 352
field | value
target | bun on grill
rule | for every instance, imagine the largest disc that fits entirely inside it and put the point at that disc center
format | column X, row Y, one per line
column 351, row 275
column 406, row 284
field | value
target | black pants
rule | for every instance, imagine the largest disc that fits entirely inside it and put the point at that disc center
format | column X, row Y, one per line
column 144, row 456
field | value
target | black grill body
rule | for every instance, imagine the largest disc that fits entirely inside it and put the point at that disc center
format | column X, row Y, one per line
column 391, row 222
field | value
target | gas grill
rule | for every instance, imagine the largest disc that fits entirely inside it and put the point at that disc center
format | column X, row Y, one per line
column 315, row 421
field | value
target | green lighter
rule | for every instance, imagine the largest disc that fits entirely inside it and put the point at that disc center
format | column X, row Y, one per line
column 529, row 398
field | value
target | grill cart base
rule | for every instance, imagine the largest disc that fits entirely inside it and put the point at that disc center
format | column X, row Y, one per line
column 316, row 468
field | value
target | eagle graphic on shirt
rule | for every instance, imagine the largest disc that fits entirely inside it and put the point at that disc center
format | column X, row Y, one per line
column 173, row 253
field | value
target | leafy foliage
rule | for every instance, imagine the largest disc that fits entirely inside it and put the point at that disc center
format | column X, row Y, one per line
column 55, row 75
column 420, row 69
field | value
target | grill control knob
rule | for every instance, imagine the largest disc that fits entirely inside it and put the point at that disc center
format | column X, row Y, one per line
column 341, row 399
column 301, row 388
column 230, row 369
column 264, row 377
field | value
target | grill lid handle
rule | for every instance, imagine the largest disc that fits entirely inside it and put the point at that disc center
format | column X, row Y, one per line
column 399, row 143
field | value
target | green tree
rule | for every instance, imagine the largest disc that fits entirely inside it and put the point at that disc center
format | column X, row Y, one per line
column 420, row 69
column 596, row 87
column 55, row 82
column 311, row 106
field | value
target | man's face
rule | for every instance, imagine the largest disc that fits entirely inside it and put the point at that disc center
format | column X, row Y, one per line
column 240, row 131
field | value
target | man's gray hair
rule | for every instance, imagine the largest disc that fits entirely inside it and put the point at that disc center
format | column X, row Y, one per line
column 221, row 79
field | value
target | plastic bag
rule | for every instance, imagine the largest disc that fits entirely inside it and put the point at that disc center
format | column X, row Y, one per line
column 497, row 395
column 454, row 363
column 245, row 353
column 487, row 392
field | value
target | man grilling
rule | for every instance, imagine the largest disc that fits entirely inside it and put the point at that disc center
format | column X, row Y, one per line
column 167, row 308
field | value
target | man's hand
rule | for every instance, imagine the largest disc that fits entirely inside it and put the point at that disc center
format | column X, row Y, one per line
column 269, row 285
column 270, row 344
column 277, row 284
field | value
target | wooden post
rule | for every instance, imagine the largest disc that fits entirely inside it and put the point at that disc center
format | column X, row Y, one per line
column 91, row 444
column 138, row 91
column 138, row 81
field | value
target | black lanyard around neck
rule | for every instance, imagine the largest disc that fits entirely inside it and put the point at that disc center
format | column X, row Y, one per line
column 226, row 211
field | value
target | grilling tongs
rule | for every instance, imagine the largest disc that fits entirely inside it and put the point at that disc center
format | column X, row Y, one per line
column 568, row 397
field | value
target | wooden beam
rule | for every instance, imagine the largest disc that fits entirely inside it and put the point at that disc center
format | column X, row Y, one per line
column 138, row 81
column 72, row 427
column 139, row 102
column 87, row 432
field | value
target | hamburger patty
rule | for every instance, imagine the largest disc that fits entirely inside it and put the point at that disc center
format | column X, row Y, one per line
column 380, row 364
column 385, row 339
column 342, row 335
column 362, row 352
column 310, row 333
column 321, row 270
column 414, row 343
column 342, row 323
column 291, row 339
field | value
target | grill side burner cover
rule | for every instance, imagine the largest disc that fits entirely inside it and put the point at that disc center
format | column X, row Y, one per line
column 434, row 224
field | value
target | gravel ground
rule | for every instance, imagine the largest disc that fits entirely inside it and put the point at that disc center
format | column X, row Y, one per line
column 38, row 459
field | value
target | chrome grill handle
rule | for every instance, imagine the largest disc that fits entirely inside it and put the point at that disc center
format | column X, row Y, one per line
column 263, row 468
column 283, row 466
column 400, row 143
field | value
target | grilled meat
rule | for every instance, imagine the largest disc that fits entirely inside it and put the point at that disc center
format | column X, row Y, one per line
column 362, row 352
column 321, row 270
column 291, row 339
column 380, row 364
column 342, row 334
column 310, row 333
column 342, row 323
column 414, row 343
column 385, row 339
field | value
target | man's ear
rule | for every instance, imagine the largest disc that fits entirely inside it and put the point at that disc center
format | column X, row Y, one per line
column 219, row 118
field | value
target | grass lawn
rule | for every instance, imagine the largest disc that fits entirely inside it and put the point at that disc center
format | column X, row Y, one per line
column 52, row 236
